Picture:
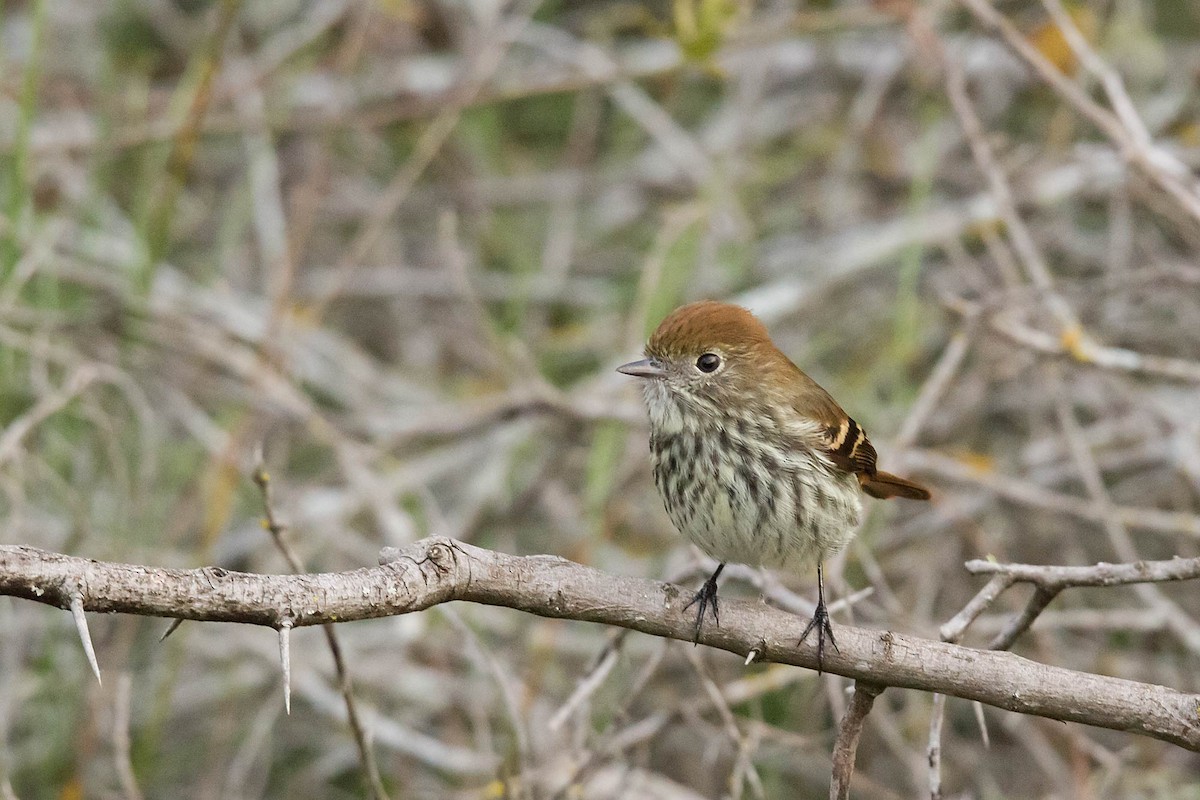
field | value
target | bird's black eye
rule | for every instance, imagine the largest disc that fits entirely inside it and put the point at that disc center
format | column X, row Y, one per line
column 708, row 362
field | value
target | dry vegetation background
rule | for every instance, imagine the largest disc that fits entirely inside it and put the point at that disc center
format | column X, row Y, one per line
column 403, row 245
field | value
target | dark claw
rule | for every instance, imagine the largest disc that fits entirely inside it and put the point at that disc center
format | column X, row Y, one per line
column 820, row 622
column 706, row 597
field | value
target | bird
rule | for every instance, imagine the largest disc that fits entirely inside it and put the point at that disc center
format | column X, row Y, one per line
column 754, row 461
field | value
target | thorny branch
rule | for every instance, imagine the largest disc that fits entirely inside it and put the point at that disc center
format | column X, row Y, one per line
column 439, row 570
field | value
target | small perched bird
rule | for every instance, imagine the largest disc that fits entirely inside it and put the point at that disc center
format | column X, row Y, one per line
column 755, row 462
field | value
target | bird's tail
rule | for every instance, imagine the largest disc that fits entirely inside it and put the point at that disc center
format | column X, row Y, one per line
column 884, row 485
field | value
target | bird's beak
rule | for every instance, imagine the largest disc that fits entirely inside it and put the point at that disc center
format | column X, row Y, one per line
column 646, row 368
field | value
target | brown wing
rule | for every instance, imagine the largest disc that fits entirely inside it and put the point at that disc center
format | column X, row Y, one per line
column 850, row 449
column 843, row 441
column 847, row 446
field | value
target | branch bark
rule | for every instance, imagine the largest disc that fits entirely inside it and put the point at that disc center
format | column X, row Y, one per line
column 439, row 570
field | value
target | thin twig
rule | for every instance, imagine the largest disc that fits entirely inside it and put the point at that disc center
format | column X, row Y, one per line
column 590, row 682
column 1041, row 598
column 1084, row 350
column 1102, row 574
column 941, row 377
column 952, row 630
column 121, row 745
column 933, row 750
column 277, row 530
column 47, row 405
column 845, row 748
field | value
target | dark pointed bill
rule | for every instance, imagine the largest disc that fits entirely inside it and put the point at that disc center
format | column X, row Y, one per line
column 646, row 368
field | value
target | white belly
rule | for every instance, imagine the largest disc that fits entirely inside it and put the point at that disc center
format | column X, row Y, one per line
column 764, row 508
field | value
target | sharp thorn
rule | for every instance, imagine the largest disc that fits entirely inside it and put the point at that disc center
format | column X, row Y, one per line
column 285, row 659
column 81, row 627
column 752, row 656
column 174, row 626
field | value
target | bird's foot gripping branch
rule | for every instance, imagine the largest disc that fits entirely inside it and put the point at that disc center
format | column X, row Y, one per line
column 439, row 570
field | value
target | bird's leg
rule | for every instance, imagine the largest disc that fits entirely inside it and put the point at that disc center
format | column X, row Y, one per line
column 707, row 596
column 820, row 621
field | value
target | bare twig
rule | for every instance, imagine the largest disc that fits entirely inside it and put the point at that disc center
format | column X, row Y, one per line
column 676, row 142
column 744, row 745
column 590, row 682
column 1019, row 624
column 46, row 406
column 1085, row 351
column 121, row 744
column 345, row 682
column 1058, row 577
column 953, row 630
column 510, row 688
column 846, row 747
column 933, row 750
column 939, row 381
column 391, row 735
column 1049, row 580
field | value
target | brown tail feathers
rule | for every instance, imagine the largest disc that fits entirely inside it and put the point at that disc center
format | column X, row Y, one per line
column 884, row 485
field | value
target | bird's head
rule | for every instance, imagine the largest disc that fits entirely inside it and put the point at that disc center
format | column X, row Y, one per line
column 710, row 354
